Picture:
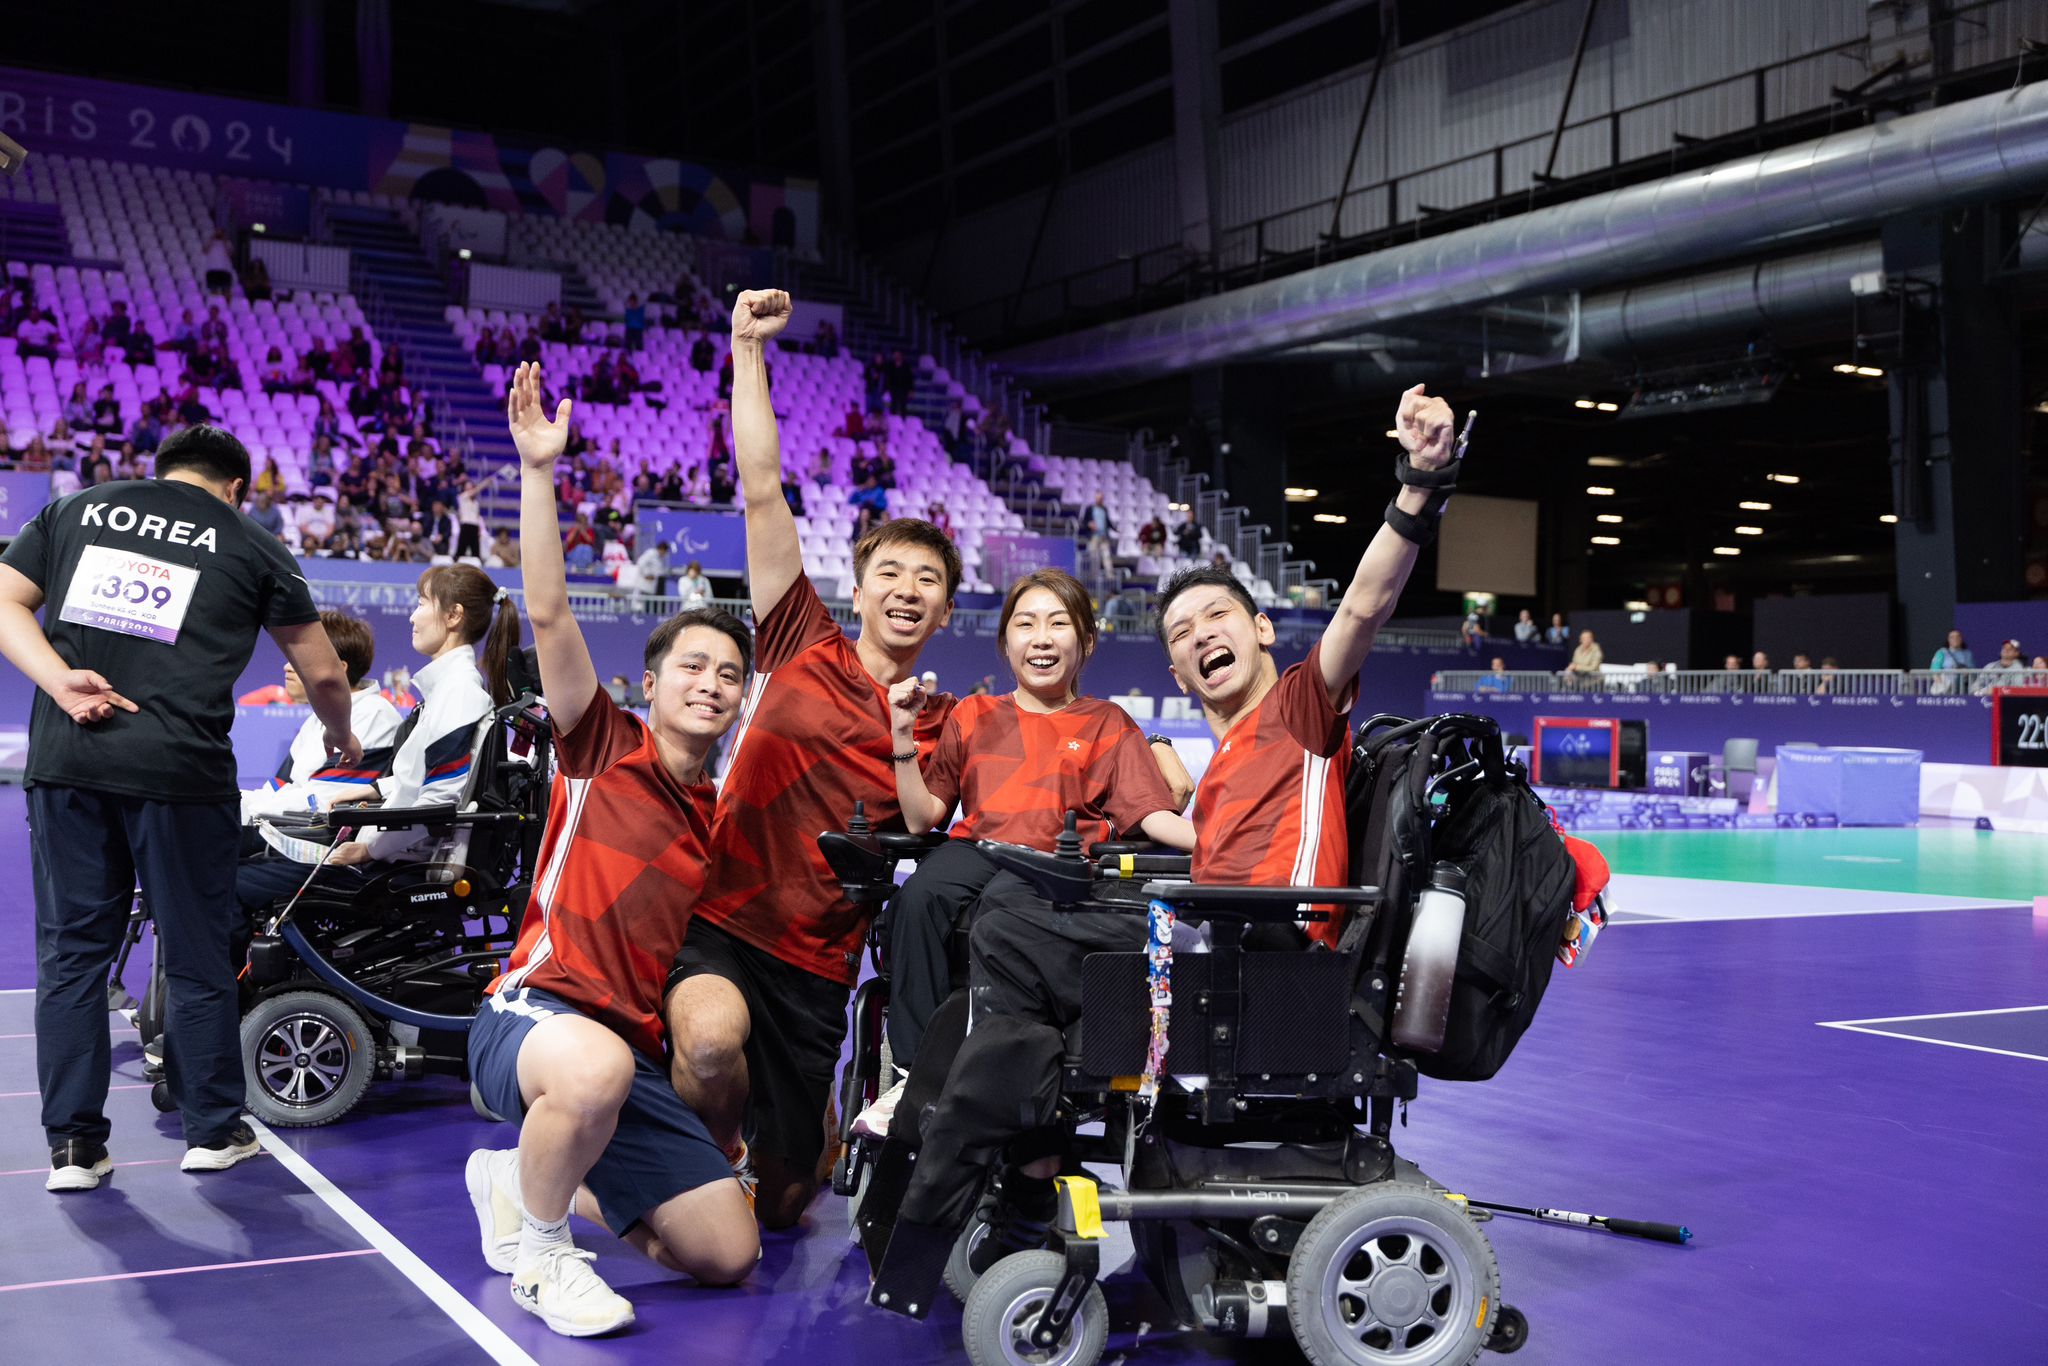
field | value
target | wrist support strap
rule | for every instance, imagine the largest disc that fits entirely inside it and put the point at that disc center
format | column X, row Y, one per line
column 1421, row 528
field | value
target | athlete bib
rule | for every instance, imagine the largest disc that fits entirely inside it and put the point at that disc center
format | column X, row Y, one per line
column 136, row 595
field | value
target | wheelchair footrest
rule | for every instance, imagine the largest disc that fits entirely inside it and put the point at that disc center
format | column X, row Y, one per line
column 908, row 1278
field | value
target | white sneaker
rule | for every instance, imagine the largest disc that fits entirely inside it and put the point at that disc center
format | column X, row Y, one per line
column 493, row 1181
column 238, row 1146
column 873, row 1122
column 560, row 1288
column 77, row 1166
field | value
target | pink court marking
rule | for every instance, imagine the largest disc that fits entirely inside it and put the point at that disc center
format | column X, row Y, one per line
column 29, row 1035
column 188, row 1270
column 139, row 1162
column 133, row 1086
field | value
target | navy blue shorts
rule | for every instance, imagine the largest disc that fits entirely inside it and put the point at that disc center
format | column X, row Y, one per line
column 660, row 1150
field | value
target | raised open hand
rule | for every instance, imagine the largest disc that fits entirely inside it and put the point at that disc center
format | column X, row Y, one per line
column 540, row 441
column 759, row 314
column 1425, row 426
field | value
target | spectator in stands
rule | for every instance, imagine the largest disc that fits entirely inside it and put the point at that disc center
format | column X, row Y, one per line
column 900, row 376
column 316, row 524
column 1954, row 654
column 953, row 429
column 1097, row 529
column 1557, row 633
column 553, row 327
column 264, row 512
column 693, row 589
column 347, row 541
column 185, row 335
column 1825, row 683
column 793, row 493
column 319, row 360
column 636, row 322
column 2000, row 672
column 256, row 279
column 140, row 347
column 78, row 409
column 214, row 329
column 1187, row 537
column 579, row 545
column 189, row 409
column 1586, row 660
column 271, row 480
column 90, row 350
column 106, row 411
column 855, row 427
column 441, row 529
column 937, row 515
column 62, row 439
column 1152, row 537
column 871, row 501
column 573, row 325
column 148, row 429
column 302, row 379
column 1496, row 679
column 702, row 353
column 116, row 327
column 653, row 568
column 821, row 469
column 358, row 349
column 825, row 341
column 627, row 375
column 98, row 468
column 217, row 264
column 130, row 463
column 721, row 482
column 275, row 375
column 469, row 518
column 504, row 551
column 37, row 336
column 529, row 346
column 63, row 472
column 1221, row 560
column 1760, row 663
column 1526, row 629
column 725, row 379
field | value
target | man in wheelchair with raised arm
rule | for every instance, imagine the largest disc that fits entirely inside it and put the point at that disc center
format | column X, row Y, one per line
column 1274, row 1037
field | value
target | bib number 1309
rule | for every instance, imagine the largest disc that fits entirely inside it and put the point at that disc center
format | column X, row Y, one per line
column 136, row 595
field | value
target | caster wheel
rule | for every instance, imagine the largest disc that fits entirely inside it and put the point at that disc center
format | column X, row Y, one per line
column 1007, row 1301
column 1510, row 1331
column 160, row 1097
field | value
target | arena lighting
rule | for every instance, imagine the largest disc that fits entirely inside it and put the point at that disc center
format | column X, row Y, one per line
column 1608, row 407
column 1600, row 490
column 1610, row 517
column 1582, row 403
column 1726, row 550
column 1889, row 519
column 1302, row 495
column 257, row 228
column 1754, row 507
column 1749, row 531
column 1333, row 518
column 462, row 253
column 1394, row 433
column 1782, row 478
column 1869, row 372
column 1607, row 540
column 1845, row 369
column 1637, row 606
column 1615, row 462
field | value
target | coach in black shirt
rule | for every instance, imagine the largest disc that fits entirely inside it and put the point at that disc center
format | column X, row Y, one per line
column 154, row 593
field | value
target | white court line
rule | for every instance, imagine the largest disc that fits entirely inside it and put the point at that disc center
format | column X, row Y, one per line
column 1687, row 918
column 467, row 1316
column 1937, row 1015
column 1941, row 1043
column 189, row 1270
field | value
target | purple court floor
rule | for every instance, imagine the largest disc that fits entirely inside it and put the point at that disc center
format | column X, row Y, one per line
column 1845, row 1107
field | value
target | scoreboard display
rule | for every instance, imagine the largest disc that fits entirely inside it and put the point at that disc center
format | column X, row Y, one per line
column 2019, row 727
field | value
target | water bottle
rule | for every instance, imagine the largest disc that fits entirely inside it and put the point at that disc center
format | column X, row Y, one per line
column 1422, row 1004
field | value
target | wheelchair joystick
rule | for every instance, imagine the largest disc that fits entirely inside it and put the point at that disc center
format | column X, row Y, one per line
column 859, row 824
column 1068, row 844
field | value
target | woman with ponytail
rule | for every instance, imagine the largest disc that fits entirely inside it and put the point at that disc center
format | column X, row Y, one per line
column 467, row 627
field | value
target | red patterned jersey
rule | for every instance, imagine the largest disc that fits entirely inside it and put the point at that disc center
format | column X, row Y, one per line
column 1017, row 773
column 1270, row 809
column 621, row 864
column 813, row 739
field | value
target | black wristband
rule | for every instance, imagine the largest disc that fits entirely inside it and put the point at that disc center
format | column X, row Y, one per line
column 909, row 758
column 1418, row 531
column 1158, row 740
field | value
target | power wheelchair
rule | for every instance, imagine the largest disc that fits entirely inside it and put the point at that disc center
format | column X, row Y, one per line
column 1261, row 1188
column 350, row 983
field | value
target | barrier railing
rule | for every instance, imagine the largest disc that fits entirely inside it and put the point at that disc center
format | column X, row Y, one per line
column 1781, row 682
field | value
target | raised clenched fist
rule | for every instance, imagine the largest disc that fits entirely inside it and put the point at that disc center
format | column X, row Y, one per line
column 759, row 314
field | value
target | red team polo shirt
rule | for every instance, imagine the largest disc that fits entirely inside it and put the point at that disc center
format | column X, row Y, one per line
column 1017, row 773
column 813, row 739
column 1270, row 808
column 620, row 866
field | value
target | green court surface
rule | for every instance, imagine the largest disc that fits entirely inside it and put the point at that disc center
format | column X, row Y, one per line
column 1939, row 862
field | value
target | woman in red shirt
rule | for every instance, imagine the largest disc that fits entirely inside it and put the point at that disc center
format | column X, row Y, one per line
column 1016, row 764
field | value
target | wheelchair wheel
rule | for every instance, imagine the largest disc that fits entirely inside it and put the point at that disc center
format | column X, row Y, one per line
column 960, row 1275
column 1389, row 1275
column 307, row 1058
column 160, row 1097
column 1007, row 1301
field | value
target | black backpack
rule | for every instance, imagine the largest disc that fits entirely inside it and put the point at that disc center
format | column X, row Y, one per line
column 1441, row 789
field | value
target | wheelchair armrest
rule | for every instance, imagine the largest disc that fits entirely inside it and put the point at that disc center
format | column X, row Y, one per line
column 439, row 814
column 1209, row 901
column 1064, row 881
column 1111, row 848
column 898, row 844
